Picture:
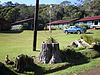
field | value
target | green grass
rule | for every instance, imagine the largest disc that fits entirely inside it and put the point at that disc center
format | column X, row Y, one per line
column 14, row 44
column 79, row 68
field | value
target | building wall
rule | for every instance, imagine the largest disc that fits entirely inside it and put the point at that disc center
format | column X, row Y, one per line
column 58, row 26
column 61, row 26
column 89, row 23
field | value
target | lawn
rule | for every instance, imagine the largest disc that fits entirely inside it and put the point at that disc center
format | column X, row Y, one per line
column 14, row 44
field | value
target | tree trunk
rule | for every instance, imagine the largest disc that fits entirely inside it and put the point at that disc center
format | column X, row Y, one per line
column 46, row 52
column 50, row 53
column 55, row 54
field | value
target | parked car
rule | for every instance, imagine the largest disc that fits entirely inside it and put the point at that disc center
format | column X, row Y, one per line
column 74, row 29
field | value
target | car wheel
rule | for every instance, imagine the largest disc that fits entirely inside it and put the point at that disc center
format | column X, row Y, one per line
column 78, row 32
column 66, row 32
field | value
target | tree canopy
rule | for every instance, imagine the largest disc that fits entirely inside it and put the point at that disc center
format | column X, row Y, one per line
column 65, row 10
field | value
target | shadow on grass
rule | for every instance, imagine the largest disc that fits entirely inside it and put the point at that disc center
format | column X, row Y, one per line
column 56, row 69
column 75, row 58
column 6, row 71
column 70, row 56
column 14, row 31
column 35, row 69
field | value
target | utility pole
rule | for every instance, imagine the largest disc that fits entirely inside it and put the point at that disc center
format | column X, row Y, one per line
column 50, row 18
column 35, row 25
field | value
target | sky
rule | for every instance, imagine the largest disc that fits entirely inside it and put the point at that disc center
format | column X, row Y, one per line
column 32, row 2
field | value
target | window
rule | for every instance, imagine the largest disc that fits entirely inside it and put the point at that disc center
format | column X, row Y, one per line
column 95, row 22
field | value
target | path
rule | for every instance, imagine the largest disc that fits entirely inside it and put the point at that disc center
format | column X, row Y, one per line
column 95, row 71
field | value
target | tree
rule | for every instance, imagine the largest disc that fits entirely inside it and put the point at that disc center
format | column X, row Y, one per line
column 44, row 15
column 65, row 3
column 4, row 11
column 95, row 7
column 92, row 7
column 25, row 11
column 9, row 3
column 12, row 15
column 72, row 11
column 59, row 11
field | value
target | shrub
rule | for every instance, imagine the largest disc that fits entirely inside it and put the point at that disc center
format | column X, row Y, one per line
column 96, row 40
column 68, row 25
column 90, row 53
column 84, row 26
column 73, row 57
column 51, row 40
column 88, row 39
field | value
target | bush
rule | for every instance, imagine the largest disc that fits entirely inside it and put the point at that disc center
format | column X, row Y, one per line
column 68, row 25
column 96, row 40
column 51, row 40
column 84, row 26
column 90, row 53
column 88, row 39
column 73, row 57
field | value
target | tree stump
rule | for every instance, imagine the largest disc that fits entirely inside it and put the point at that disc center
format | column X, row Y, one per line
column 23, row 63
column 56, row 57
column 50, row 53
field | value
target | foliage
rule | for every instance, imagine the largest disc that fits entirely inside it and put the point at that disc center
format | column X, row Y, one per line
column 88, row 39
column 51, row 40
column 84, row 26
column 96, row 40
column 79, row 56
column 12, row 15
column 90, row 53
column 68, row 25
column 15, row 11
column 92, row 7
column 65, row 3
column 72, row 56
column 65, row 10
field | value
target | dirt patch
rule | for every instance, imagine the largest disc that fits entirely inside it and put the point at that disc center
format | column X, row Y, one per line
column 95, row 71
